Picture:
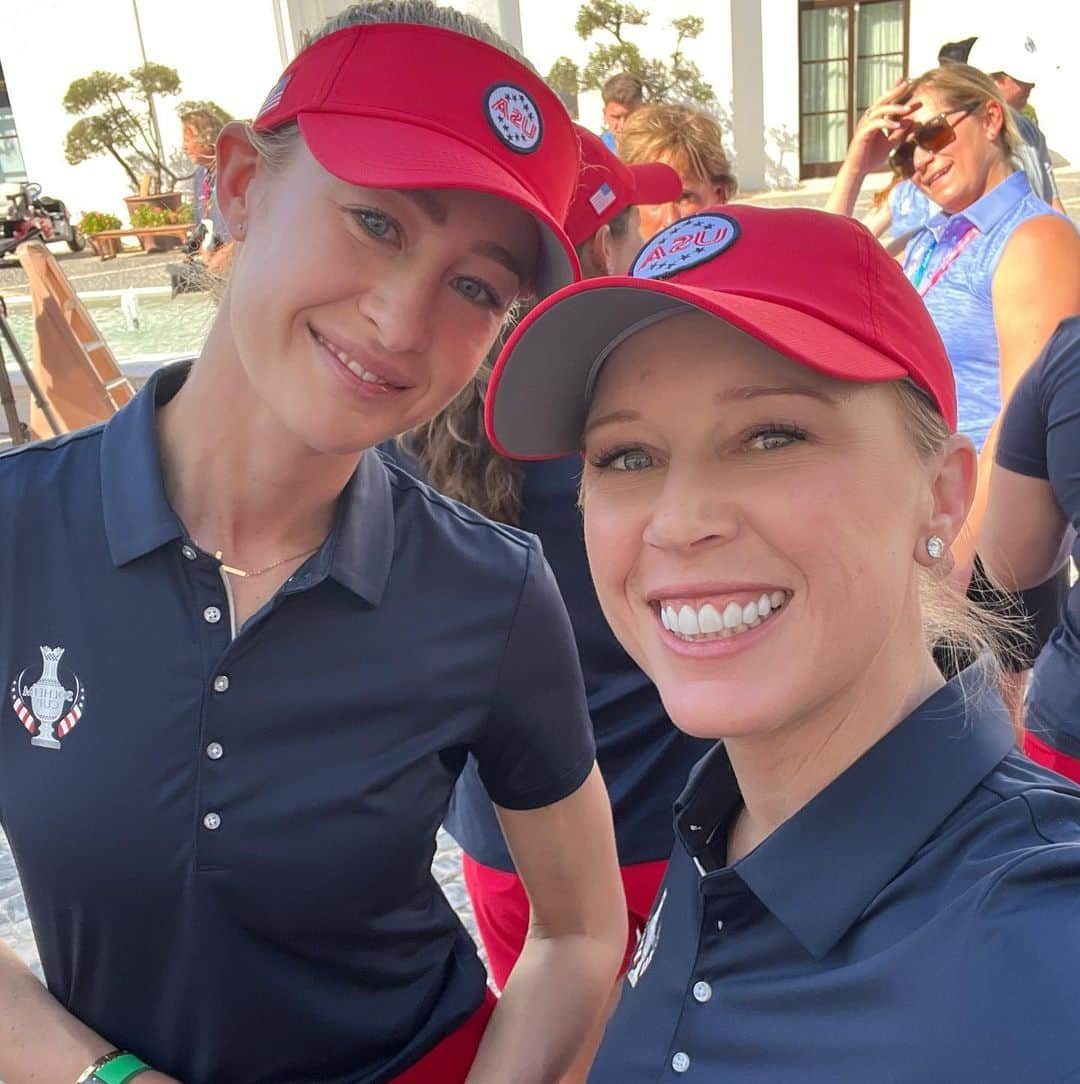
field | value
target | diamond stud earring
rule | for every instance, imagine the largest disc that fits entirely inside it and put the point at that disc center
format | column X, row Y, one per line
column 935, row 547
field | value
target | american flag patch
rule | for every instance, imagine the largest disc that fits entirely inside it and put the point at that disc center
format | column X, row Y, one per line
column 274, row 97
column 602, row 198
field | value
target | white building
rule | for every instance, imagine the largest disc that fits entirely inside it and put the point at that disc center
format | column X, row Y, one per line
column 791, row 75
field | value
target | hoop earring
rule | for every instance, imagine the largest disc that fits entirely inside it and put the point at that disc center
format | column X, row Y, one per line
column 935, row 547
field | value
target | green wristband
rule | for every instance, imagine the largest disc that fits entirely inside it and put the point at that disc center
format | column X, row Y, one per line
column 120, row 1070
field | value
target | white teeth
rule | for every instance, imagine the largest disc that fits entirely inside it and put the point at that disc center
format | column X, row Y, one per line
column 732, row 615
column 709, row 618
column 352, row 366
column 688, row 622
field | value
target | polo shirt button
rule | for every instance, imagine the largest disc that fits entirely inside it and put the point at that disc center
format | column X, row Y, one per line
column 681, row 1062
column 212, row 822
column 211, row 615
column 188, row 552
column 221, row 684
column 215, row 751
column 702, row 992
column 719, row 925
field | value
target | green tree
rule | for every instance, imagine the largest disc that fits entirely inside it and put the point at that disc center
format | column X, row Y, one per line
column 116, row 119
column 675, row 78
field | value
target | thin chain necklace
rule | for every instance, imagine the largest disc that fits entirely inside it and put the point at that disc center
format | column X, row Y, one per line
column 251, row 573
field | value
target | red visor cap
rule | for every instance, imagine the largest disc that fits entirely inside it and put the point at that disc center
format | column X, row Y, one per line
column 397, row 105
column 606, row 186
column 813, row 286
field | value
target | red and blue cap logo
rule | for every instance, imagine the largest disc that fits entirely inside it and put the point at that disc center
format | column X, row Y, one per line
column 684, row 244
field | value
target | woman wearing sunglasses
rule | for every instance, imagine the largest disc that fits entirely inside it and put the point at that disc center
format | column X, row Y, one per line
column 869, row 882
column 250, row 659
column 997, row 268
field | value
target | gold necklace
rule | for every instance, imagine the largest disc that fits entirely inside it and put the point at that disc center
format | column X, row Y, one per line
column 249, row 574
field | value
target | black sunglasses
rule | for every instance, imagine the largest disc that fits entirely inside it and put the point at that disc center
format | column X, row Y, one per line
column 932, row 136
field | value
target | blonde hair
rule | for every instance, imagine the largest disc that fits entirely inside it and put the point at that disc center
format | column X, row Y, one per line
column 689, row 140
column 958, row 85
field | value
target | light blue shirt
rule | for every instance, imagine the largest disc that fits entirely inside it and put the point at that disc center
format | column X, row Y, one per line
column 961, row 303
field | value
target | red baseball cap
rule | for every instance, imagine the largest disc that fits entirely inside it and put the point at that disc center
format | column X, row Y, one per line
column 815, row 287
column 399, row 105
column 607, row 186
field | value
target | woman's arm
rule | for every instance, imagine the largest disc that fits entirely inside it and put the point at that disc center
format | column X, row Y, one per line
column 882, row 126
column 40, row 1042
column 562, row 982
column 1036, row 285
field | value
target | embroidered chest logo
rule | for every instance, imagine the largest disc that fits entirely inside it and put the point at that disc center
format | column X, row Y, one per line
column 514, row 117
column 648, row 939
column 685, row 244
column 54, row 708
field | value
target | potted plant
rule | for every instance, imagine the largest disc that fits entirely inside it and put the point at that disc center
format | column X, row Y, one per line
column 93, row 222
column 117, row 118
column 147, row 216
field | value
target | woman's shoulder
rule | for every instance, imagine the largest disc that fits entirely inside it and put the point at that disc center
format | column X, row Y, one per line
column 46, row 469
column 1044, row 235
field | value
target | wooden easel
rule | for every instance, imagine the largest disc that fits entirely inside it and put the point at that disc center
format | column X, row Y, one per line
column 77, row 372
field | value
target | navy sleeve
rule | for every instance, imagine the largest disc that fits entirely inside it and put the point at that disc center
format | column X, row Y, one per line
column 1061, row 398
column 537, row 745
column 1022, row 441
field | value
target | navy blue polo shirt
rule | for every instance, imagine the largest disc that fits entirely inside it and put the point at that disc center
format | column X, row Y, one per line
column 917, row 922
column 643, row 757
column 1040, row 438
column 225, row 842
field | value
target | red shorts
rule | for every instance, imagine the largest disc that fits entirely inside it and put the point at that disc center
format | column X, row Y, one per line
column 451, row 1060
column 502, row 910
column 1049, row 757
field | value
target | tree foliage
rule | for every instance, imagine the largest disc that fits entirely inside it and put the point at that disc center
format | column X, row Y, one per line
column 675, row 78
column 116, row 119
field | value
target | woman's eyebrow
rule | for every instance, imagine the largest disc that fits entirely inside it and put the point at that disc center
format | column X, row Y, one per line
column 757, row 391
column 500, row 255
column 613, row 416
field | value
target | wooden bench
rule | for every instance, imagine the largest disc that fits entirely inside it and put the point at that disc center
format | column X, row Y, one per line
column 107, row 243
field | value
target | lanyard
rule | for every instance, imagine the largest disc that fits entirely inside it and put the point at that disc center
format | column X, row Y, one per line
column 951, row 257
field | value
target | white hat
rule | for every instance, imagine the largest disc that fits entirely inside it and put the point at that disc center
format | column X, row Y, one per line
column 1015, row 54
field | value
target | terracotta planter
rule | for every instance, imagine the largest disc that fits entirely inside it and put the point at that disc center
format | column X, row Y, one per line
column 164, row 201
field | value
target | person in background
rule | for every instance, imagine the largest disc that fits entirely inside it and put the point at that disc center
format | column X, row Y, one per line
column 644, row 759
column 1031, row 523
column 689, row 141
column 622, row 95
column 869, row 882
column 902, row 209
column 201, row 128
column 997, row 268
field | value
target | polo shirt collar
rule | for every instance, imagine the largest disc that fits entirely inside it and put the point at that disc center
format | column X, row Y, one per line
column 139, row 519
column 986, row 212
column 818, row 872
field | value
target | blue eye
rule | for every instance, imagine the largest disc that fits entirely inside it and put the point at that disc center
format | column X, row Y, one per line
column 622, row 459
column 776, row 437
column 375, row 223
column 477, row 292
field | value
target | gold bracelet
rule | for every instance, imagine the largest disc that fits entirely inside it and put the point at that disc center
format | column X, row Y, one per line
column 90, row 1070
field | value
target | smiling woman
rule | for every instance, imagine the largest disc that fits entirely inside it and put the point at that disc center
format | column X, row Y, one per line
column 282, row 650
column 773, row 480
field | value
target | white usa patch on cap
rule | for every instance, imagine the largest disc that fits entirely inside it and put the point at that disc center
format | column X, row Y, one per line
column 602, row 198
column 514, row 117
column 685, row 244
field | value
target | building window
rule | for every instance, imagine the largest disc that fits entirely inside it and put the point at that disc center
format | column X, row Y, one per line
column 12, row 167
column 850, row 53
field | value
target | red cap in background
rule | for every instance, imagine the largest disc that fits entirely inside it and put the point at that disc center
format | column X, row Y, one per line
column 400, row 105
column 815, row 287
column 607, row 186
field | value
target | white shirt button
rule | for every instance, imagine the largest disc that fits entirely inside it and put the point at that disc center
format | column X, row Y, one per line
column 702, row 992
column 215, row 751
column 211, row 615
column 212, row 822
column 719, row 925
column 680, row 1062
column 188, row 552
column 221, row 684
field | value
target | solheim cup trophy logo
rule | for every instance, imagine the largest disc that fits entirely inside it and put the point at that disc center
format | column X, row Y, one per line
column 49, row 701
